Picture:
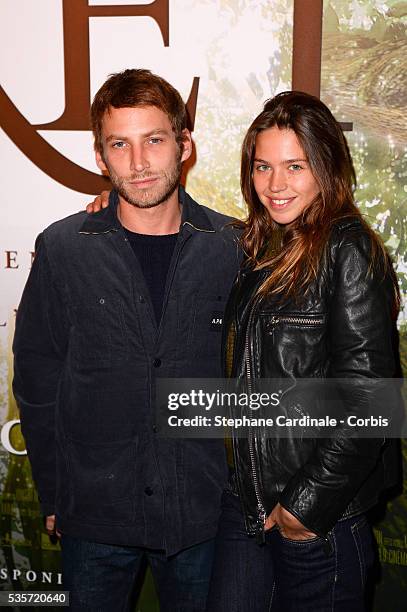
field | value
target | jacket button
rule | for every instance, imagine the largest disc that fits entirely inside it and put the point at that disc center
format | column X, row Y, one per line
column 157, row 363
column 148, row 491
column 155, row 429
column 141, row 299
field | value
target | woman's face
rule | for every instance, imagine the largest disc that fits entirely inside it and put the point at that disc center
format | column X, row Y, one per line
column 282, row 177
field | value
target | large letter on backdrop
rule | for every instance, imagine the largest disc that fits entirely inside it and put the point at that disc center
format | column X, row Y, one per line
column 76, row 15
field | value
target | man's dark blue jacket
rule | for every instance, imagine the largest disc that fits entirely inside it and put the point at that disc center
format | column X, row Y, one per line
column 87, row 354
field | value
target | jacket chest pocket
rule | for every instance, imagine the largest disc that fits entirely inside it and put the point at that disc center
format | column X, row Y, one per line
column 99, row 335
column 297, row 321
column 295, row 343
column 207, row 325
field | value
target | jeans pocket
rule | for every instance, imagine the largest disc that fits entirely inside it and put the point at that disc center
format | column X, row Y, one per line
column 363, row 539
column 312, row 540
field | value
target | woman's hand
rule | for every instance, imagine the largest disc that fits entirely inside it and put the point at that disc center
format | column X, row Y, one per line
column 289, row 526
column 101, row 201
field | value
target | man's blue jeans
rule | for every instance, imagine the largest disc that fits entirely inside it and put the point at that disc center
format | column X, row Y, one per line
column 100, row 577
column 286, row 575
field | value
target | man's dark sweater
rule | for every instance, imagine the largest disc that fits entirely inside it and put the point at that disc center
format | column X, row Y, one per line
column 154, row 255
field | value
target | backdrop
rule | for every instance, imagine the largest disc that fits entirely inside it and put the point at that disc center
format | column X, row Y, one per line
column 226, row 57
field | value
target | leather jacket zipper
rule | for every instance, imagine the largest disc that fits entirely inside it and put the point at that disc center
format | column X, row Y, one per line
column 300, row 320
column 275, row 320
column 310, row 322
column 261, row 511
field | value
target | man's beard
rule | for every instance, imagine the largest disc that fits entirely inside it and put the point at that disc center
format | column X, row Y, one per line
column 169, row 180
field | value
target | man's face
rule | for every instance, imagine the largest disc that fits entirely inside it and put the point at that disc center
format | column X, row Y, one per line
column 141, row 154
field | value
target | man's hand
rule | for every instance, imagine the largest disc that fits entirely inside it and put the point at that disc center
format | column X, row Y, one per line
column 289, row 526
column 101, row 201
column 50, row 526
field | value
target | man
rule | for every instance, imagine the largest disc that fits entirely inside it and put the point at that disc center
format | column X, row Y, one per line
column 113, row 301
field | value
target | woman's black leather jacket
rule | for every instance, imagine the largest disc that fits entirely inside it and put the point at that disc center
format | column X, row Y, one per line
column 341, row 328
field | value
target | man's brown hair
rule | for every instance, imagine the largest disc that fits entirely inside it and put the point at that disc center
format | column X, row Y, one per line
column 137, row 87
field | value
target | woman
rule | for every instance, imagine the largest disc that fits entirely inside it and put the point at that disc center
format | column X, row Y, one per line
column 316, row 298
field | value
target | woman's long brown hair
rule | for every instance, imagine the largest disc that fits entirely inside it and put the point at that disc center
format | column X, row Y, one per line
column 297, row 264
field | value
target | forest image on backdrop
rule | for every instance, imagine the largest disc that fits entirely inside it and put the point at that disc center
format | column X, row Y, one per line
column 363, row 81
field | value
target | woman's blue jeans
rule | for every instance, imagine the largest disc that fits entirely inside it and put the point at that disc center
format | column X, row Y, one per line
column 289, row 576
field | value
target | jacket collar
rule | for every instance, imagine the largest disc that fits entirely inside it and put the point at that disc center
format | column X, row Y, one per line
column 104, row 221
column 193, row 215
